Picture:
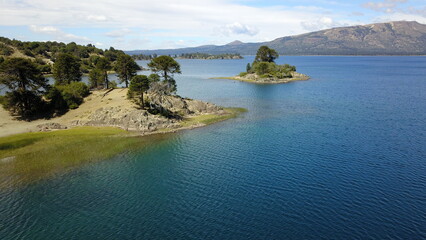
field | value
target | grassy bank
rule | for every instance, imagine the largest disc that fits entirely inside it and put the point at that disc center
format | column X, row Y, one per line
column 29, row 157
column 212, row 118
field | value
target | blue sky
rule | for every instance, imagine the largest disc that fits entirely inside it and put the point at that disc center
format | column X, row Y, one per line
column 143, row 24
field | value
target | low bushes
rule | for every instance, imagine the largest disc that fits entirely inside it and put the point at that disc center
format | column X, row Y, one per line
column 69, row 96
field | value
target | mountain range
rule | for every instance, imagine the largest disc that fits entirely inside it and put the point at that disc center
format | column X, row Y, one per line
column 391, row 38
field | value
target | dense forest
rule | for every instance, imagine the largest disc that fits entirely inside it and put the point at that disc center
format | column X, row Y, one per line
column 29, row 95
column 191, row 56
column 44, row 54
column 210, row 56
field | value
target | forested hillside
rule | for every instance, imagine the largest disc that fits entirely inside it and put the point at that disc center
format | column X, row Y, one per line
column 44, row 54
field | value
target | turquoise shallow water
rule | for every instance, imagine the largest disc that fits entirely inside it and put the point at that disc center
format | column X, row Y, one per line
column 341, row 156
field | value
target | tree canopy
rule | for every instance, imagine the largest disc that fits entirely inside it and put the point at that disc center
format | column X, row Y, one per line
column 102, row 67
column 266, row 54
column 138, row 85
column 66, row 69
column 166, row 66
column 21, row 74
column 126, row 68
column 25, row 82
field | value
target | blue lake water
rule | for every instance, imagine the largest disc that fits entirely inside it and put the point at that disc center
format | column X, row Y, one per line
column 341, row 156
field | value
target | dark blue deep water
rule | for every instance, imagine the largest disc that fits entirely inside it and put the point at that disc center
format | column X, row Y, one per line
column 341, row 156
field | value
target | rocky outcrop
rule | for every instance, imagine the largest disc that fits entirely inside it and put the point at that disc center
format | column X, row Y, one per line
column 50, row 126
column 164, row 112
column 254, row 78
column 176, row 105
column 128, row 119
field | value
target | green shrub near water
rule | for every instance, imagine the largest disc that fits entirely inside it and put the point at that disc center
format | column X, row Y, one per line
column 74, row 93
column 270, row 69
column 69, row 96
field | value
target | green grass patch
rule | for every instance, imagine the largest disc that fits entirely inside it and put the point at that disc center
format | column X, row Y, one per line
column 212, row 118
column 236, row 79
column 29, row 157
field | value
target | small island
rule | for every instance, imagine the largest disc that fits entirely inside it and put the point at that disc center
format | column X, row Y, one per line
column 264, row 70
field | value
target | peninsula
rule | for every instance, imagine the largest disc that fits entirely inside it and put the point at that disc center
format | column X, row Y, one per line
column 84, row 122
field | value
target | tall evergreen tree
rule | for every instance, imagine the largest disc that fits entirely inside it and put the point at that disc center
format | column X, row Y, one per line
column 126, row 68
column 96, row 78
column 166, row 66
column 139, row 85
column 66, row 69
column 26, row 83
column 266, row 54
column 104, row 65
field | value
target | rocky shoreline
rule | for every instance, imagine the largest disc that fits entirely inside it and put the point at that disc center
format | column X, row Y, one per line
column 254, row 78
column 113, row 109
column 144, row 122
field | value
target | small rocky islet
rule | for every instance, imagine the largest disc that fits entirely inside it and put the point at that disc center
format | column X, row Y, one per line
column 264, row 70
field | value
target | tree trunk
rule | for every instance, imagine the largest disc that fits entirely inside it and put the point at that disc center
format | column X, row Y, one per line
column 165, row 76
column 106, row 80
column 142, row 103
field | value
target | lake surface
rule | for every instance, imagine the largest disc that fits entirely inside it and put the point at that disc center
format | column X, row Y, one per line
column 341, row 156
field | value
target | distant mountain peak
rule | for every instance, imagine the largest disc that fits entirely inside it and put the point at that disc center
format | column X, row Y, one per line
column 388, row 38
column 236, row 42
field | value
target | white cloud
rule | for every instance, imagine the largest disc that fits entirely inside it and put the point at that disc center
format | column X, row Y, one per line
column 188, row 18
column 164, row 22
column 240, row 29
column 320, row 24
column 46, row 29
column 98, row 18
column 387, row 6
column 118, row 33
column 58, row 34
column 401, row 16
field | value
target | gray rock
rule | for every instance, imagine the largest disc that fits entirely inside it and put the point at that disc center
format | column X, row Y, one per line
column 50, row 126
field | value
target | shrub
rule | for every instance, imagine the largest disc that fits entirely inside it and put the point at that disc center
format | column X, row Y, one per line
column 73, row 93
column 243, row 74
column 28, row 53
column 261, row 68
column 5, row 50
column 266, row 75
column 56, row 102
